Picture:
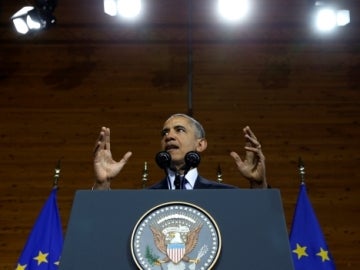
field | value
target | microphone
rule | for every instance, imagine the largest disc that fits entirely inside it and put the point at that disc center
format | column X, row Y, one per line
column 163, row 159
column 192, row 160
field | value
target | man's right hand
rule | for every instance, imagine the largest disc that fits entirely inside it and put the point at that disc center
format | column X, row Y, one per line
column 105, row 167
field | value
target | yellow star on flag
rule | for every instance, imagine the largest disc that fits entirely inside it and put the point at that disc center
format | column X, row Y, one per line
column 300, row 251
column 323, row 254
column 21, row 267
column 41, row 257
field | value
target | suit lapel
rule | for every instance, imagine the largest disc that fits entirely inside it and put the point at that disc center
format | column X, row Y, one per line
column 163, row 184
column 199, row 183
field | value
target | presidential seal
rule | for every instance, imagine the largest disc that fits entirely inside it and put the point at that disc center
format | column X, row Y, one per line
column 176, row 236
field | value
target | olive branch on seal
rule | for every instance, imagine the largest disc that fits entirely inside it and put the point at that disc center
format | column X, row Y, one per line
column 151, row 258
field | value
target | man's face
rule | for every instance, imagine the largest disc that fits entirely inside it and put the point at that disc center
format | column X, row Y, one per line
column 179, row 138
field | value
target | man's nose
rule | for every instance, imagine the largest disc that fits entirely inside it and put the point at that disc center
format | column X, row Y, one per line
column 169, row 136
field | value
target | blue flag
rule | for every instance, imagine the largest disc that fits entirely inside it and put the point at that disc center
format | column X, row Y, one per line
column 307, row 242
column 43, row 248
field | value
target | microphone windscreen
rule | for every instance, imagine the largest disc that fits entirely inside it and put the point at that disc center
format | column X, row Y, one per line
column 192, row 159
column 163, row 159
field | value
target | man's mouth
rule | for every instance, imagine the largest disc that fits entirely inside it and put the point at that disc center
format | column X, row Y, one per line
column 171, row 147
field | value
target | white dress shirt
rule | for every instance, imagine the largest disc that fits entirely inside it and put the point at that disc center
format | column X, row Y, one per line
column 190, row 177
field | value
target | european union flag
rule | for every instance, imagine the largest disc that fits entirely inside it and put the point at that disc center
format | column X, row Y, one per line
column 44, row 245
column 307, row 243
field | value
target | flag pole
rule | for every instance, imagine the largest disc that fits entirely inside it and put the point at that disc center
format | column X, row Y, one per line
column 145, row 175
column 219, row 174
column 301, row 167
column 57, row 175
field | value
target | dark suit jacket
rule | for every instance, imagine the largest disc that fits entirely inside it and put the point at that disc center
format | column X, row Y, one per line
column 200, row 183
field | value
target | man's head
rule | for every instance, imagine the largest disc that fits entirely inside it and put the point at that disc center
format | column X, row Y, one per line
column 180, row 135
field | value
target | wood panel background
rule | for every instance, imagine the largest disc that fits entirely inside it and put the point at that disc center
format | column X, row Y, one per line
column 298, row 91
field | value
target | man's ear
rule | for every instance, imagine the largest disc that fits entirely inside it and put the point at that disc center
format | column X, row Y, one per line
column 201, row 146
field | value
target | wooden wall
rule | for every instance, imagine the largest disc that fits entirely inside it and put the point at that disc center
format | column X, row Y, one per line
column 299, row 92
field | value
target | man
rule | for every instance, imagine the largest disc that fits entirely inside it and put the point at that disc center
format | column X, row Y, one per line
column 180, row 135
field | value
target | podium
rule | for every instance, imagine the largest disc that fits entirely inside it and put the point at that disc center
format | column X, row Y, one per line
column 251, row 225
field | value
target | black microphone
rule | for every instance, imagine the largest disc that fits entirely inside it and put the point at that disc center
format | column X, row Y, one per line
column 163, row 159
column 192, row 160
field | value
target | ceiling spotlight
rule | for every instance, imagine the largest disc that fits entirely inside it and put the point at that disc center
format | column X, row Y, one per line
column 233, row 10
column 342, row 17
column 128, row 9
column 33, row 18
column 328, row 17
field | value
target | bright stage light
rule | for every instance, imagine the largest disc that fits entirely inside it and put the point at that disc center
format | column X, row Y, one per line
column 233, row 10
column 343, row 17
column 128, row 9
column 33, row 18
column 325, row 19
column 328, row 17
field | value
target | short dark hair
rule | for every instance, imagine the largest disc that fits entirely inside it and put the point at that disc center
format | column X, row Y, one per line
column 199, row 130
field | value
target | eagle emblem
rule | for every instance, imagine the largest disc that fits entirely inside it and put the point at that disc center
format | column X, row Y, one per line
column 176, row 236
column 176, row 242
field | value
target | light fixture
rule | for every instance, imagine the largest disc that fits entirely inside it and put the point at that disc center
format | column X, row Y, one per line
column 328, row 17
column 233, row 10
column 33, row 18
column 127, row 9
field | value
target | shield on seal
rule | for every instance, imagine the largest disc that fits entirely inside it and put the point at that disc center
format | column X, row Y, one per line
column 175, row 251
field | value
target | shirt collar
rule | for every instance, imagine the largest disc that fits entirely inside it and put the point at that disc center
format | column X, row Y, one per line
column 191, row 177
